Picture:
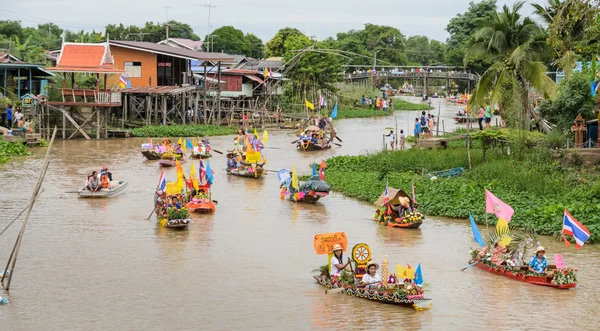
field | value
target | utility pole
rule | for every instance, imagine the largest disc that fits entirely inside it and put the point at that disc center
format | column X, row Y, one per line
column 210, row 7
column 375, row 59
column 167, row 21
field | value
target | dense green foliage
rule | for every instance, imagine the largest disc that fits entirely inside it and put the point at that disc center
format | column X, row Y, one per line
column 405, row 105
column 423, row 51
column 573, row 98
column 360, row 113
column 8, row 149
column 183, row 131
column 388, row 42
column 230, row 40
column 537, row 187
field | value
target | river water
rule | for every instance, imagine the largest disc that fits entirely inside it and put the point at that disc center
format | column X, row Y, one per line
column 100, row 265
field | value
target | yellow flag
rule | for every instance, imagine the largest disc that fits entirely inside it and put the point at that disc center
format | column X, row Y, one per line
column 329, row 256
column 255, row 133
column 403, row 272
column 502, row 227
column 252, row 157
column 180, row 142
column 309, row 105
column 180, row 182
column 265, row 137
column 172, row 188
column 266, row 73
column 294, row 178
column 193, row 175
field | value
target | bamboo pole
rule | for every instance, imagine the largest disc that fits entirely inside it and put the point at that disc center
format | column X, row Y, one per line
column 437, row 134
column 15, row 252
column 22, row 211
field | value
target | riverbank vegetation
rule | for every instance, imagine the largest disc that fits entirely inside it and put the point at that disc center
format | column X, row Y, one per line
column 183, row 131
column 536, row 181
column 10, row 149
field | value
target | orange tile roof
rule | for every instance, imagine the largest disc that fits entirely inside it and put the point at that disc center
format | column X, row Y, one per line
column 93, row 58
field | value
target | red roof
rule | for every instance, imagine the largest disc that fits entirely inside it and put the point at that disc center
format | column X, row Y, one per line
column 91, row 58
column 240, row 72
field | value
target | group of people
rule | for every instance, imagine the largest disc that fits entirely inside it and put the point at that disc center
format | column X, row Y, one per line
column 95, row 183
column 484, row 114
column 16, row 120
column 423, row 128
column 377, row 103
column 500, row 257
column 392, row 139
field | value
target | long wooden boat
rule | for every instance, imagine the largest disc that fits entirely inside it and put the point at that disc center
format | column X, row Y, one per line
column 151, row 155
column 521, row 275
column 176, row 224
column 201, row 155
column 413, row 225
column 103, row 193
column 309, row 146
column 169, row 162
column 310, row 192
column 201, row 207
column 418, row 302
column 258, row 173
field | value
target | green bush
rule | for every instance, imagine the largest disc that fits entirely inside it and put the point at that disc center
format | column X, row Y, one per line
column 405, row 105
column 183, row 131
column 9, row 149
column 360, row 113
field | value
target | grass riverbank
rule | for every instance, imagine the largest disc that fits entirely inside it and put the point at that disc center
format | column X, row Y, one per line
column 10, row 149
column 151, row 131
column 536, row 185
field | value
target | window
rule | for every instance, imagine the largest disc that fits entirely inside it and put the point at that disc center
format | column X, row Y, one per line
column 133, row 69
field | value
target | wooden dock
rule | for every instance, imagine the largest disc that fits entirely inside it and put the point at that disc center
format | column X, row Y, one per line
column 439, row 142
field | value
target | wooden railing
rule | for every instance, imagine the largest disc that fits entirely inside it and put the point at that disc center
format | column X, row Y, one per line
column 90, row 96
column 415, row 74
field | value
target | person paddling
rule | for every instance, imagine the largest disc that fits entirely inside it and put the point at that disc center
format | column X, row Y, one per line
column 337, row 261
column 371, row 276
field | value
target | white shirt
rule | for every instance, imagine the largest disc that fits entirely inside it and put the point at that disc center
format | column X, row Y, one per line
column 368, row 279
column 18, row 116
column 333, row 270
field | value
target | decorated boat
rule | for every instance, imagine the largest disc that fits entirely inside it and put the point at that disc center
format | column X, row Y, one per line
column 248, row 162
column 153, row 152
column 117, row 188
column 199, row 197
column 168, row 159
column 151, row 155
column 308, row 192
column 503, row 252
column 390, row 289
column 397, row 210
column 201, row 150
column 316, row 138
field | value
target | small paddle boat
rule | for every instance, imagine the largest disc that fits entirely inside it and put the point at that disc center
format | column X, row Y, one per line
column 118, row 188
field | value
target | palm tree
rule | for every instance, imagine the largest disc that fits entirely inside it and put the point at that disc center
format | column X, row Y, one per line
column 566, row 21
column 517, row 45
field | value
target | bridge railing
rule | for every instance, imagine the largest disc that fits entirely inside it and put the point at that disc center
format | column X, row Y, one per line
column 415, row 74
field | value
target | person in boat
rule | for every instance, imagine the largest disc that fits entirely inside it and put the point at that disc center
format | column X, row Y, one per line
column 257, row 145
column 232, row 163
column 104, row 182
column 539, row 263
column 314, row 138
column 403, row 208
column 178, row 150
column 93, row 182
column 371, row 279
column 174, row 203
column 498, row 255
column 337, row 264
column 162, row 205
column 241, row 138
column 108, row 173
column 322, row 123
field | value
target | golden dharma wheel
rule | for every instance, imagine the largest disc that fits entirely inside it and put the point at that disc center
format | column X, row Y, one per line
column 361, row 254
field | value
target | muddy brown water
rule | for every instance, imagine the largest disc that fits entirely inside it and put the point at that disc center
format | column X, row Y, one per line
column 100, row 265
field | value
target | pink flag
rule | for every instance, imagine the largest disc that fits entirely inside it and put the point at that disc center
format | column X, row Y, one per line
column 495, row 206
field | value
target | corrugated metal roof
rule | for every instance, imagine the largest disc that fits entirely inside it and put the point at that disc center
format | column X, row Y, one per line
column 171, row 51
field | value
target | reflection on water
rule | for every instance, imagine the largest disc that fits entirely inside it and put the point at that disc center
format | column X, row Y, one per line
column 89, row 264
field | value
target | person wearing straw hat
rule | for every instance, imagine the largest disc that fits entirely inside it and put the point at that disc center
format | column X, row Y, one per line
column 539, row 263
column 371, row 276
column 336, row 265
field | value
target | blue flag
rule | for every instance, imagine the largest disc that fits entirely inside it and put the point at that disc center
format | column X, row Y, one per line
column 209, row 174
column 189, row 144
column 419, row 275
column 314, row 169
column 334, row 112
column 476, row 234
column 595, row 87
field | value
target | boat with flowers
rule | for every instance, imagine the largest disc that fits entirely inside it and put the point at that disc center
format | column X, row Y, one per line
column 201, row 150
column 390, row 290
column 399, row 211
column 170, row 214
column 151, row 155
column 168, row 159
column 202, row 201
column 310, row 191
column 249, row 164
column 313, row 138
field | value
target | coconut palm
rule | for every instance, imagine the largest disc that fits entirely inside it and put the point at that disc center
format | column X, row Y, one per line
column 566, row 21
column 518, row 46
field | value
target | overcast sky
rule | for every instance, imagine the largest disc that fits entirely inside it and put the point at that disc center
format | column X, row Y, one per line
column 319, row 18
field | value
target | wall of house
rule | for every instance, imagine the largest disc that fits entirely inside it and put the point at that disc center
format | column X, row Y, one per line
column 148, row 61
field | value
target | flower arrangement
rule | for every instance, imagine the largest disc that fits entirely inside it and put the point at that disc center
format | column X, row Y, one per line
column 414, row 216
column 177, row 214
column 565, row 276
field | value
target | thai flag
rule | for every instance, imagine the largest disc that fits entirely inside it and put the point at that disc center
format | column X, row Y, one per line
column 202, row 172
column 322, row 101
column 322, row 171
column 386, row 197
column 162, row 182
column 206, row 144
column 573, row 228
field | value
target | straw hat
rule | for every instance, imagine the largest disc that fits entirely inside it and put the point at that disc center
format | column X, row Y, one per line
column 337, row 247
column 372, row 263
column 540, row 249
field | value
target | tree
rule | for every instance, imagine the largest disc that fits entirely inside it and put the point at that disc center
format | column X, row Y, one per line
column 568, row 22
column 275, row 47
column 573, row 98
column 462, row 28
column 11, row 28
column 257, row 49
column 228, row 39
column 422, row 51
column 385, row 41
column 516, row 44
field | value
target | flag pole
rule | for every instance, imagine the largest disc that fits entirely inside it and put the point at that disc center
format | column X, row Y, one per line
column 486, row 222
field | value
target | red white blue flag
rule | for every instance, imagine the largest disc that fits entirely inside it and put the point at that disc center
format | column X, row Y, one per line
column 386, row 197
column 162, row 181
column 322, row 101
column 573, row 228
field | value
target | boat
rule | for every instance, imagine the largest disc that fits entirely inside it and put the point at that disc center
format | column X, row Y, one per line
column 168, row 160
column 179, row 224
column 103, row 193
column 198, row 153
column 309, row 192
column 312, row 138
column 522, row 274
column 202, row 202
column 393, row 291
column 247, row 172
column 384, row 215
column 249, row 165
column 151, row 155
